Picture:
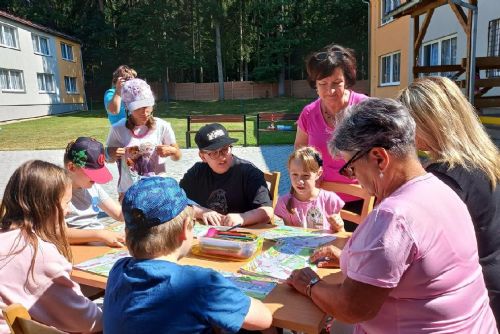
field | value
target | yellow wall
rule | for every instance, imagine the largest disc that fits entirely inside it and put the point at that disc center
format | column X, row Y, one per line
column 388, row 38
column 70, row 69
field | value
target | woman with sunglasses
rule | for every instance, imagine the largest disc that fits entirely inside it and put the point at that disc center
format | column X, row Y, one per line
column 412, row 265
column 332, row 72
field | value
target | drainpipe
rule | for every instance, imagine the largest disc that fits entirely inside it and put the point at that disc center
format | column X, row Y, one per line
column 367, row 2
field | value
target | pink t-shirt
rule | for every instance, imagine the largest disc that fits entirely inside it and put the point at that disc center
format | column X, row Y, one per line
column 51, row 297
column 420, row 242
column 311, row 121
column 311, row 214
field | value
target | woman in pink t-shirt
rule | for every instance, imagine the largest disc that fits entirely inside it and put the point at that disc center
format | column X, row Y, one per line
column 34, row 253
column 331, row 71
column 412, row 266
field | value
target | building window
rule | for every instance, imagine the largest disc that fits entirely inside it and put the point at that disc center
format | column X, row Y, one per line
column 40, row 45
column 386, row 7
column 440, row 52
column 390, row 69
column 8, row 36
column 493, row 45
column 70, row 83
column 11, row 80
column 66, row 51
column 45, row 82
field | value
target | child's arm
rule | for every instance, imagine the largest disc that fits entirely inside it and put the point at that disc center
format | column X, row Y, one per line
column 336, row 223
column 258, row 317
column 110, row 238
column 112, row 208
column 171, row 151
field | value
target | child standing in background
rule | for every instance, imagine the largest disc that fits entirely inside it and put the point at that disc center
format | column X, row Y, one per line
column 84, row 160
column 140, row 128
column 35, row 257
column 307, row 205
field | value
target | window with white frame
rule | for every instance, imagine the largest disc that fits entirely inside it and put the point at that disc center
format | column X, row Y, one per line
column 66, row 51
column 70, row 83
column 390, row 69
column 8, row 36
column 11, row 80
column 493, row 45
column 442, row 51
column 387, row 6
column 40, row 45
column 45, row 82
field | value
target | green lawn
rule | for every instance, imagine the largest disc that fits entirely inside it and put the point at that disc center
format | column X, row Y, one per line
column 56, row 131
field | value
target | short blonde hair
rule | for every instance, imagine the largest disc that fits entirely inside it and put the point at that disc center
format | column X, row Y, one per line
column 448, row 124
column 163, row 239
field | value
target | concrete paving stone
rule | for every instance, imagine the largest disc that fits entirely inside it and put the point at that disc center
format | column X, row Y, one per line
column 270, row 158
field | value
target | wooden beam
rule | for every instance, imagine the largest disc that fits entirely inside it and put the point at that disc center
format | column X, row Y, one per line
column 423, row 30
column 468, row 33
column 438, row 68
column 487, row 102
column 416, row 54
column 460, row 14
column 488, row 63
column 420, row 10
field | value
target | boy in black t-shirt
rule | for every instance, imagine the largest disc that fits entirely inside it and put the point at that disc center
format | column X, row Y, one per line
column 228, row 190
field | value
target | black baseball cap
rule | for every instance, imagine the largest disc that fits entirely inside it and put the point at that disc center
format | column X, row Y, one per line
column 213, row 136
column 88, row 154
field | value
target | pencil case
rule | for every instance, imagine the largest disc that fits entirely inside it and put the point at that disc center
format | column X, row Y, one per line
column 233, row 249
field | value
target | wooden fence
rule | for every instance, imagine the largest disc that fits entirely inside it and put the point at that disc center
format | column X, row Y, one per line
column 236, row 90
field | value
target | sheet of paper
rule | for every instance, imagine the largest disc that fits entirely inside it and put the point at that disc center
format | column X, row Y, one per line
column 102, row 265
column 252, row 286
column 279, row 261
column 300, row 237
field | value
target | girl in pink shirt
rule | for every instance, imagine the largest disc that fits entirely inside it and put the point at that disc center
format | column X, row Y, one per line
column 35, row 254
column 306, row 205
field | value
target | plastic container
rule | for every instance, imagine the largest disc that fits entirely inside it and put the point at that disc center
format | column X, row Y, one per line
column 227, row 249
column 281, row 127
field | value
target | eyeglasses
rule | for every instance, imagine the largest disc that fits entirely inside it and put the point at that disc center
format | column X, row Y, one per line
column 218, row 153
column 347, row 170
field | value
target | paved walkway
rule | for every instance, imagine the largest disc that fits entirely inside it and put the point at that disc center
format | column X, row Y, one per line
column 265, row 157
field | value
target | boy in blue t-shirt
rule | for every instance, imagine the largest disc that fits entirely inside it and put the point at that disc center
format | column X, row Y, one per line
column 150, row 292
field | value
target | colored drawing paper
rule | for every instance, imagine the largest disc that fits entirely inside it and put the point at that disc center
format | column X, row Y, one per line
column 297, row 236
column 118, row 227
column 252, row 286
column 279, row 261
column 102, row 265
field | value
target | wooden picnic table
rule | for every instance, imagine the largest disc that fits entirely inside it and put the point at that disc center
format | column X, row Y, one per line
column 289, row 308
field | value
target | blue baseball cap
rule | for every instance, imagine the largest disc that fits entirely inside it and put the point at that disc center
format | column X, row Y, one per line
column 153, row 201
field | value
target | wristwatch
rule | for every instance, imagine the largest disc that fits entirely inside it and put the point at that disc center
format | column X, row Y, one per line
column 312, row 283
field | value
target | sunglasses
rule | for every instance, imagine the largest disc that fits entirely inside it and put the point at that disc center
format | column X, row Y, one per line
column 347, row 170
column 218, row 153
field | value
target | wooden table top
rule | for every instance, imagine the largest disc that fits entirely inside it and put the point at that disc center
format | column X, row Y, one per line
column 290, row 309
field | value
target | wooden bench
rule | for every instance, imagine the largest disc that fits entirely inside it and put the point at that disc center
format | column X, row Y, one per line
column 206, row 119
column 272, row 118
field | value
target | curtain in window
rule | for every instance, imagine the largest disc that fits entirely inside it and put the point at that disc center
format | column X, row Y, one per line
column 4, row 79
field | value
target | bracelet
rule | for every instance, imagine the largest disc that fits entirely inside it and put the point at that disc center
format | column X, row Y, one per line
column 312, row 283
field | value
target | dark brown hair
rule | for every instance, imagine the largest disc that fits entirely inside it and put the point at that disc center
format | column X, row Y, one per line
column 321, row 64
column 123, row 71
column 32, row 204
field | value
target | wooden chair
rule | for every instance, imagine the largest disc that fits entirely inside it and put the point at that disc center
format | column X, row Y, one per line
column 354, row 190
column 273, row 178
column 20, row 322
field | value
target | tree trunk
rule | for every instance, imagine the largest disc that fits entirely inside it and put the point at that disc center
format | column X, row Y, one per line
column 281, row 85
column 218, row 48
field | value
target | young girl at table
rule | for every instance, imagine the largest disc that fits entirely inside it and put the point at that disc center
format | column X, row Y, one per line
column 84, row 160
column 307, row 205
column 140, row 143
column 34, row 253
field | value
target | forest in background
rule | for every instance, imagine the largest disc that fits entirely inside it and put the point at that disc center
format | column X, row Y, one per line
column 202, row 40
